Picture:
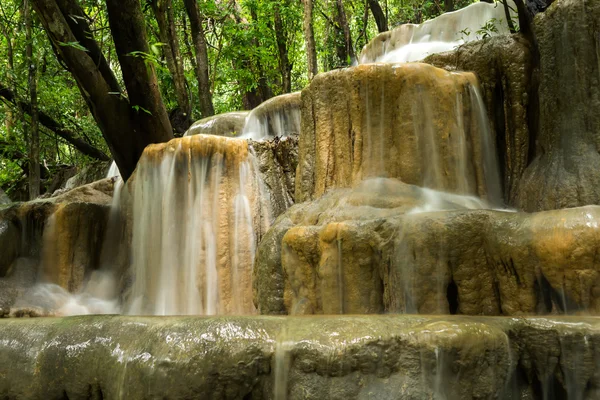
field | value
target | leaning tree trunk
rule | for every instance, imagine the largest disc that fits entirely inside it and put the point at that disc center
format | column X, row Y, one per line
column 309, row 40
column 34, row 134
column 284, row 62
column 163, row 11
column 348, row 54
column 127, row 124
column 204, row 93
column 448, row 5
column 380, row 19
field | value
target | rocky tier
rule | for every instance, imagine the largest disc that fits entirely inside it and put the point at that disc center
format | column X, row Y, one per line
column 350, row 357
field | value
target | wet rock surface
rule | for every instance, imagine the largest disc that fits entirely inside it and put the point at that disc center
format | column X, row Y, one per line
column 355, row 357
column 504, row 67
column 228, row 124
column 71, row 226
column 412, row 121
column 277, row 162
column 565, row 169
column 390, row 247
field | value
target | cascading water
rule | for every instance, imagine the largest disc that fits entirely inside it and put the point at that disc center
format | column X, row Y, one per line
column 277, row 117
column 411, row 42
column 196, row 213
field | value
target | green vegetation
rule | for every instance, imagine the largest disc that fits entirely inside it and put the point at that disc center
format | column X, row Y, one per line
column 255, row 50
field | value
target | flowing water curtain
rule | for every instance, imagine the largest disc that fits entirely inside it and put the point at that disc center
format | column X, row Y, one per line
column 196, row 213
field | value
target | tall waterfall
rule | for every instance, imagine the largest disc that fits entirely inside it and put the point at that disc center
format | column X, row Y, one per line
column 196, row 214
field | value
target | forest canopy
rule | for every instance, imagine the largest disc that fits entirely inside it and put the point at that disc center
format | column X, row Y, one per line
column 205, row 56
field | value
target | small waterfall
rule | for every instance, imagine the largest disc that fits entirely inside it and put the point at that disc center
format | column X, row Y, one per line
column 113, row 171
column 411, row 42
column 196, row 214
column 277, row 117
column 99, row 294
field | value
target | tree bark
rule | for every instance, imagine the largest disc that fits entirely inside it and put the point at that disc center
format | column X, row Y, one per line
column 264, row 89
column 347, row 55
column 448, row 5
column 163, row 11
column 34, row 134
column 128, row 125
column 380, row 20
column 309, row 40
column 202, row 69
column 284, row 62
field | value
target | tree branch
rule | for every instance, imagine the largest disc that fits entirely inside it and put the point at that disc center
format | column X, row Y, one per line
column 56, row 127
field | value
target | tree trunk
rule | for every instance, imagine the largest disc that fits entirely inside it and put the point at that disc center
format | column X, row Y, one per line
column 34, row 134
column 309, row 40
column 284, row 62
column 163, row 11
column 263, row 85
column 380, row 20
column 12, row 81
column 448, row 5
column 128, row 125
column 202, row 73
column 348, row 54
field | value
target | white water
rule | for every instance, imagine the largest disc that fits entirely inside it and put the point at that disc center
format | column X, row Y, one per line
column 277, row 117
column 100, row 294
column 411, row 42
column 196, row 203
column 113, row 171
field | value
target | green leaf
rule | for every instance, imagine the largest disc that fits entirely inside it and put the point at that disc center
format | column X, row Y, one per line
column 75, row 45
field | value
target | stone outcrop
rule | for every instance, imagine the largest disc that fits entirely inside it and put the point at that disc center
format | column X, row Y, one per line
column 229, row 124
column 389, row 247
column 277, row 161
column 414, row 122
column 56, row 240
column 504, row 67
column 351, row 357
column 565, row 170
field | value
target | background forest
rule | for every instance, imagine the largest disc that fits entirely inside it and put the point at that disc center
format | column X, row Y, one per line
column 210, row 57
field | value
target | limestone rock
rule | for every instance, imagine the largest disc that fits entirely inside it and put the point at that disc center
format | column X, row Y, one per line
column 351, row 357
column 277, row 162
column 389, row 247
column 89, row 174
column 565, row 170
column 56, row 239
column 414, row 122
column 228, row 124
column 504, row 67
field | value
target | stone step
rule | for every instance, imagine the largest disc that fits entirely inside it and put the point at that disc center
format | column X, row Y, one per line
column 350, row 357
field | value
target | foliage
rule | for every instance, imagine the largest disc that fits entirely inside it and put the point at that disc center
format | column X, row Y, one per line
column 242, row 52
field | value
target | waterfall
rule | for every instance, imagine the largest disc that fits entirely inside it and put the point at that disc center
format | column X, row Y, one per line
column 277, row 117
column 410, row 42
column 196, row 212
column 113, row 171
